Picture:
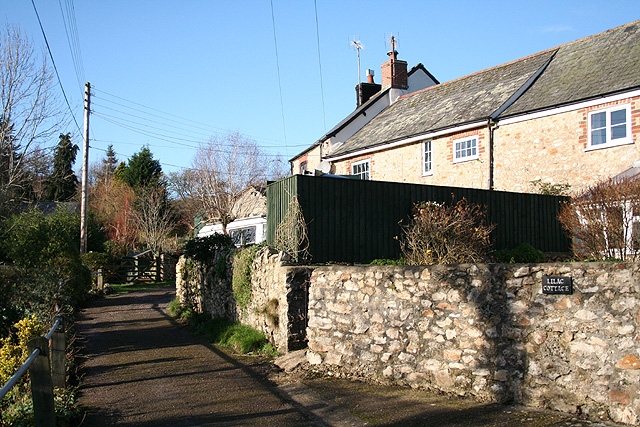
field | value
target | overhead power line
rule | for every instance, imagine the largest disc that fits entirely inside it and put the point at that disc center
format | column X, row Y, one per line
column 54, row 65
column 183, row 168
column 275, row 42
column 152, row 132
column 176, row 119
column 324, row 118
column 71, row 30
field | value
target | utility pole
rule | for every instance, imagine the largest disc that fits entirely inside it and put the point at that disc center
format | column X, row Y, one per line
column 85, row 170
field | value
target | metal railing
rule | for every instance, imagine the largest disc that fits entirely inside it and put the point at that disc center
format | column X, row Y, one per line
column 46, row 366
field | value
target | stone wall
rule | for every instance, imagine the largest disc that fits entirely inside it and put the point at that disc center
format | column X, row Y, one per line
column 207, row 288
column 405, row 163
column 279, row 295
column 552, row 149
column 488, row 331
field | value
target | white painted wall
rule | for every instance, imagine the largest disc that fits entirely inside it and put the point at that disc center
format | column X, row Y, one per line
column 417, row 81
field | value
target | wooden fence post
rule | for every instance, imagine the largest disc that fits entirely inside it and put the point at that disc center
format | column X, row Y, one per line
column 100, row 280
column 158, row 269
column 58, row 357
column 41, row 389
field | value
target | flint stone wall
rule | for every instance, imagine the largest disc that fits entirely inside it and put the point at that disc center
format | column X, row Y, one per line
column 486, row 330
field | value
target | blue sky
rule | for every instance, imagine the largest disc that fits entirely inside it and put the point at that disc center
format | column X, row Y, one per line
column 173, row 73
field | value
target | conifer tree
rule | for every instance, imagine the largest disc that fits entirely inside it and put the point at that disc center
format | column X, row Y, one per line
column 63, row 182
column 109, row 165
column 142, row 171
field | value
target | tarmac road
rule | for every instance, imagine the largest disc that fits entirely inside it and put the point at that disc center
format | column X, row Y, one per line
column 141, row 368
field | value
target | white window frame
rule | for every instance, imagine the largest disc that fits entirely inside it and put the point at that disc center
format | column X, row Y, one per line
column 427, row 160
column 367, row 172
column 628, row 139
column 465, row 158
column 243, row 236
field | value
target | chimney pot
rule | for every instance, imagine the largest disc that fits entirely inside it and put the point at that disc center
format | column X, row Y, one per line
column 370, row 75
column 394, row 72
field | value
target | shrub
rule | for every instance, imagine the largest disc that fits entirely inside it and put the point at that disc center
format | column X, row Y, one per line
column 601, row 221
column 48, row 270
column 384, row 261
column 10, row 292
column 548, row 188
column 16, row 406
column 291, row 234
column 445, row 234
column 203, row 249
column 13, row 349
column 523, row 253
column 96, row 260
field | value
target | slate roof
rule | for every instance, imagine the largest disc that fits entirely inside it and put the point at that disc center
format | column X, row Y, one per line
column 595, row 66
column 358, row 111
column 599, row 65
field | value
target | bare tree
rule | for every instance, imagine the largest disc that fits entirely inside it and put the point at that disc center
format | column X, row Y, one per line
column 30, row 110
column 153, row 218
column 113, row 204
column 184, row 202
column 224, row 170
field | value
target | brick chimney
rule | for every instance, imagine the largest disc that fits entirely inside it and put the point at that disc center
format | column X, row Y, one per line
column 394, row 72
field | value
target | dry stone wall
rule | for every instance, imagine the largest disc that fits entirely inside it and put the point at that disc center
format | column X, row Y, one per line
column 207, row 288
column 486, row 330
column 279, row 295
column 278, row 300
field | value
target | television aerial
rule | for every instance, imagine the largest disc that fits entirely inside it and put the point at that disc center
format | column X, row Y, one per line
column 355, row 43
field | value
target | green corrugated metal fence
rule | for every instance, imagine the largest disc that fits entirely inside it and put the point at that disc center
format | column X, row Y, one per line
column 356, row 221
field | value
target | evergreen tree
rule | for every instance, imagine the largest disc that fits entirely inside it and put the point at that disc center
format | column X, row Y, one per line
column 142, row 171
column 63, row 182
column 120, row 171
column 110, row 162
column 108, row 167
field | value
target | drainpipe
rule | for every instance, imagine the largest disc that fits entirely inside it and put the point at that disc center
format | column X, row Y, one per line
column 492, row 125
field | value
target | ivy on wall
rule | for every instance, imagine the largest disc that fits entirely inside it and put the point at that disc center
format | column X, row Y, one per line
column 242, row 269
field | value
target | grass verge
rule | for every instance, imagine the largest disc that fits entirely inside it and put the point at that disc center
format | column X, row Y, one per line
column 125, row 288
column 234, row 336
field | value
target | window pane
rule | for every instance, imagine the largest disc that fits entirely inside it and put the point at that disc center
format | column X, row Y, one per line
column 619, row 131
column 598, row 120
column 361, row 170
column 618, row 117
column 466, row 148
column 427, row 156
column 598, row 136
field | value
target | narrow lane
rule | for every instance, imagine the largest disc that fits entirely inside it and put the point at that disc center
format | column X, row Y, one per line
column 143, row 369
